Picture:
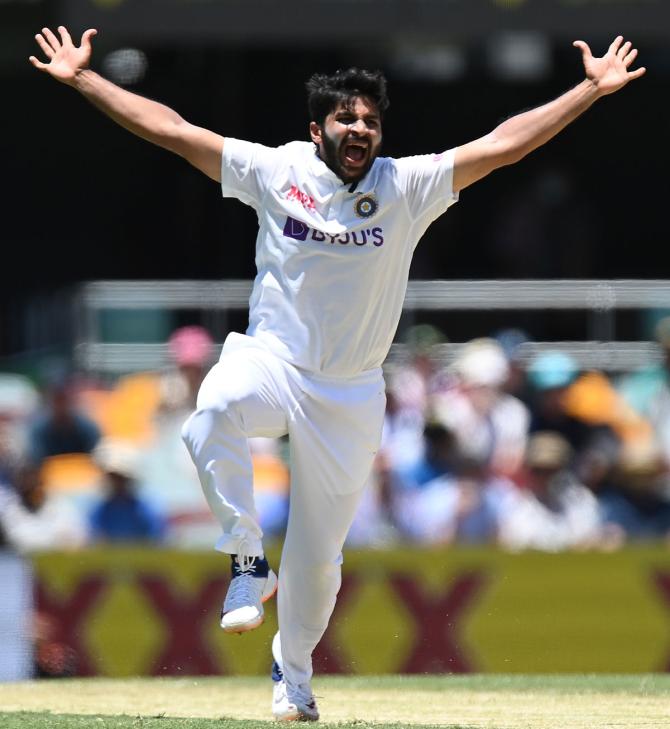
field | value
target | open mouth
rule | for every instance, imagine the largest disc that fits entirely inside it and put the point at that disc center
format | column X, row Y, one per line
column 355, row 154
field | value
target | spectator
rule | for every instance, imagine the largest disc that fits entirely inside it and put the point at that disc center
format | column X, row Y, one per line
column 32, row 519
column 647, row 390
column 639, row 501
column 597, row 466
column 62, row 428
column 490, row 425
column 440, row 459
column 552, row 374
column 466, row 507
column 19, row 400
column 386, row 511
column 554, row 511
column 514, row 343
column 122, row 516
column 191, row 351
column 413, row 383
column 410, row 389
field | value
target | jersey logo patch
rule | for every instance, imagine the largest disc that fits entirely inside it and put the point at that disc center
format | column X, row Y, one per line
column 366, row 206
column 298, row 230
column 307, row 201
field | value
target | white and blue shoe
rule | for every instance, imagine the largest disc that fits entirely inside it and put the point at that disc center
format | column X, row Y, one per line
column 299, row 707
column 252, row 583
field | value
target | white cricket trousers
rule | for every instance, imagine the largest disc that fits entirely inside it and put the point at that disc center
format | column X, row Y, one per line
column 334, row 428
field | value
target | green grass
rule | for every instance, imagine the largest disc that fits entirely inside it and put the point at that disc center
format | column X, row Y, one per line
column 33, row 720
column 484, row 701
column 641, row 684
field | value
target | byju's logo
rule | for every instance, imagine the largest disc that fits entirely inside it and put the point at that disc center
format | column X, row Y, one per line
column 298, row 230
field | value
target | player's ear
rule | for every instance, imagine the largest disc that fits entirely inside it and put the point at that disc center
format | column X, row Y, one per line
column 315, row 132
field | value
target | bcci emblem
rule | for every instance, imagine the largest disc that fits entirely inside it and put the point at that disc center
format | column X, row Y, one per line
column 366, row 206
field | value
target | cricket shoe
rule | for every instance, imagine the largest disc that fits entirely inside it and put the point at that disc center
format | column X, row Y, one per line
column 252, row 583
column 285, row 708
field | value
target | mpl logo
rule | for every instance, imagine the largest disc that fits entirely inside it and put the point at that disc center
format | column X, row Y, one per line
column 307, row 201
column 298, row 230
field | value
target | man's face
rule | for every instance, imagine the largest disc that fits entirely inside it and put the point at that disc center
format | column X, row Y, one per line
column 350, row 138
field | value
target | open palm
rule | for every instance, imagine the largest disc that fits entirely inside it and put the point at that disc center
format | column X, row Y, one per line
column 65, row 59
column 610, row 73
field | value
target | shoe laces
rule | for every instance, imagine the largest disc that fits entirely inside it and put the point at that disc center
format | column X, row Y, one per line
column 245, row 561
column 243, row 590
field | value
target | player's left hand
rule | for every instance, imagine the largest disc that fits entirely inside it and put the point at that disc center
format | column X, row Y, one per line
column 610, row 73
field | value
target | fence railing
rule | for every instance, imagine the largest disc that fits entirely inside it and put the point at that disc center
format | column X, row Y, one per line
column 598, row 299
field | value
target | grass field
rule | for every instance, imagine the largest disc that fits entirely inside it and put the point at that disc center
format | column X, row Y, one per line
column 459, row 702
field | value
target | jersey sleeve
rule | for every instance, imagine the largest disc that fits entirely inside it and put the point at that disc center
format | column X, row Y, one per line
column 247, row 169
column 426, row 182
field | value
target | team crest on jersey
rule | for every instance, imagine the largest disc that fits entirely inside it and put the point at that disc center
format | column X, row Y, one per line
column 366, row 206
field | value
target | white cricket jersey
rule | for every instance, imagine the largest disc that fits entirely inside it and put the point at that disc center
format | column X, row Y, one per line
column 332, row 264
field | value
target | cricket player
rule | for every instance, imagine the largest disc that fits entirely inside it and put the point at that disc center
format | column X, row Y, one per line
column 338, row 224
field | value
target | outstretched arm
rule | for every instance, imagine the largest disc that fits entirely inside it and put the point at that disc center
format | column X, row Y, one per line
column 147, row 119
column 515, row 138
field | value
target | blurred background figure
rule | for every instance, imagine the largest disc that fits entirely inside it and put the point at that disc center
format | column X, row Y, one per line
column 550, row 374
column 465, row 506
column 489, row 424
column 61, row 426
column 412, row 450
column 420, row 376
column 122, row 515
column 638, row 497
column 192, row 353
column 553, row 511
column 441, row 457
column 404, row 486
column 513, row 342
column 33, row 519
column 587, row 409
column 411, row 386
column 553, row 376
column 19, row 400
column 647, row 391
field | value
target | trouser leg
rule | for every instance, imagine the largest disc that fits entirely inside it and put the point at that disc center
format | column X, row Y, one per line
column 241, row 397
column 310, row 576
column 333, row 444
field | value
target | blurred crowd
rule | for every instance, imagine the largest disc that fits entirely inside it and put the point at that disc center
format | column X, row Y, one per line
column 492, row 446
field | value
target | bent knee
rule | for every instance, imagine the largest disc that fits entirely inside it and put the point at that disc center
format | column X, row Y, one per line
column 200, row 425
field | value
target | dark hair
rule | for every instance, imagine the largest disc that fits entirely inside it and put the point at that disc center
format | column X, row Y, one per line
column 326, row 93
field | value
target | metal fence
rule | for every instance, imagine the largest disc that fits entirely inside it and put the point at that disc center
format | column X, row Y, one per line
column 216, row 301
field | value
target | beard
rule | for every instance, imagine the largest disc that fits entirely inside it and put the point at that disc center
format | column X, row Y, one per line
column 330, row 154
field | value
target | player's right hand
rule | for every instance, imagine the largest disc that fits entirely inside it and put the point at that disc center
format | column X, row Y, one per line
column 65, row 59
